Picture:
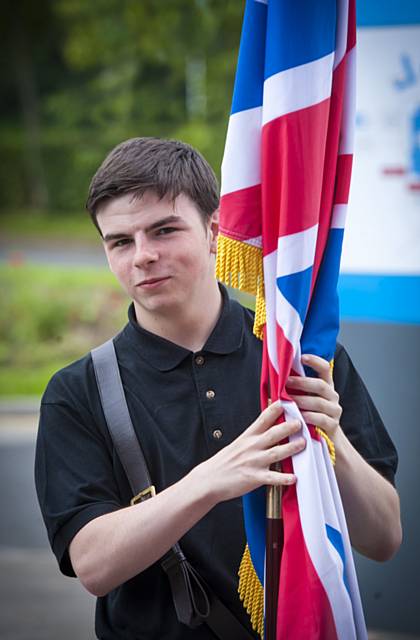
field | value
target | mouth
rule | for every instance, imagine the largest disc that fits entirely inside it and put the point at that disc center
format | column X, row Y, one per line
column 152, row 283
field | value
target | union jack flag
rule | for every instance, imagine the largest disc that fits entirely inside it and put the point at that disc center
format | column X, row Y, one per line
column 285, row 183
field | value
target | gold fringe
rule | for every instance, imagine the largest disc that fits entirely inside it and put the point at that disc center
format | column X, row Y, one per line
column 330, row 443
column 240, row 265
column 251, row 592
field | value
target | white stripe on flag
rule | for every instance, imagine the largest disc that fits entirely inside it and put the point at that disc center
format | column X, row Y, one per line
column 342, row 28
column 359, row 619
column 255, row 242
column 311, row 512
column 297, row 88
column 349, row 106
column 269, row 263
column 241, row 166
column 339, row 216
column 289, row 320
column 296, row 251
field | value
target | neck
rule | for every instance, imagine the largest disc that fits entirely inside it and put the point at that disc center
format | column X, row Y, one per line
column 188, row 328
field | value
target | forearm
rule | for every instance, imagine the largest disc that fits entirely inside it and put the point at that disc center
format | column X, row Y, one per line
column 370, row 502
column 115, row 547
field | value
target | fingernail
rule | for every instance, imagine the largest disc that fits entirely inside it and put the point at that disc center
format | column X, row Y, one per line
column 290, row 479
column 306, row 358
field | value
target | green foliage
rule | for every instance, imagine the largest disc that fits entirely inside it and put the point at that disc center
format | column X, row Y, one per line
column 87, row 75
column 26, row 225
column 51, row 316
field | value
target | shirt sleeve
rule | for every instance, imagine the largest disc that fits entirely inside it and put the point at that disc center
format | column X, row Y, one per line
column 360, row 419
column 73, row 472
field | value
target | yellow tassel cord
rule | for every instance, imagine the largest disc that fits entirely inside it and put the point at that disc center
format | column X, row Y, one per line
column 240, row 265
column 251, row 592
column 330, row 443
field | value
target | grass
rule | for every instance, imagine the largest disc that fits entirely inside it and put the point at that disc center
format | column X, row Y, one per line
column 48, row 226
column 51, row 316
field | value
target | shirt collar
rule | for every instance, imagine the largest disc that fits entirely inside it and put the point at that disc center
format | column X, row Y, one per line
column 164, row 355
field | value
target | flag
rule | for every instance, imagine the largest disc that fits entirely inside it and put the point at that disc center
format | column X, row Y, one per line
column 285, row 182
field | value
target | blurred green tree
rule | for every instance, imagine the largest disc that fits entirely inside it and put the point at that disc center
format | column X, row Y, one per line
column 87, row 75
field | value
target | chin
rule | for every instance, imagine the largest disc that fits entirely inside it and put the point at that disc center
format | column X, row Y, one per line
column 158, row 306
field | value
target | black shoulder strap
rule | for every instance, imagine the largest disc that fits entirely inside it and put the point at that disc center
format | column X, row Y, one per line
column 193, row 599
column 117, row 417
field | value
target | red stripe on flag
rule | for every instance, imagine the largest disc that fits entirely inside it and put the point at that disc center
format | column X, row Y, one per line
column 242, row 209
column 285, row 356
column 351, row 27
column 342, row 183
column 330, row 164
column 287, row 206
column 304, row 611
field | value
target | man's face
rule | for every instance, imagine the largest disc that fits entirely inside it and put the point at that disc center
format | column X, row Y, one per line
column 162, row 252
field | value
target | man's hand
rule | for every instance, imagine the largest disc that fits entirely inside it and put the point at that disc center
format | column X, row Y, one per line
column 115, row 547
column 244, row 464
column 370, row 502
column 320, row 404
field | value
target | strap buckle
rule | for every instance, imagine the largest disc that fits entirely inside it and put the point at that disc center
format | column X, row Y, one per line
column 150, row 492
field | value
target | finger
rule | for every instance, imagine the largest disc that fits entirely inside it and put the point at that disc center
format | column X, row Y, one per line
column 282, row 451
column 321, row 366
column 267, row 418
column 279, row 432
column 328, row 424
column 278, row 479
column 312, row 386
column 318, row 404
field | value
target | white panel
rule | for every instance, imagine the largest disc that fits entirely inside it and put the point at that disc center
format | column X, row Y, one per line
column 241, row 166
column 297, row 88
column 296, row 251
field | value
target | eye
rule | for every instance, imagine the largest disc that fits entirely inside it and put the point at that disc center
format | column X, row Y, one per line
column 121, row 242
column 163, row 231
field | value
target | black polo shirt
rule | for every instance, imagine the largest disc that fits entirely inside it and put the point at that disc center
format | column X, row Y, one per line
column 185, row 407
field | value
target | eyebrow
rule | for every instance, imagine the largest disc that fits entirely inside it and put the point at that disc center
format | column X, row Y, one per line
column 109, row 237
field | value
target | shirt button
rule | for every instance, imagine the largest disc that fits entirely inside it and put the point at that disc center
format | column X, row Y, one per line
column 217, row 434
column 199, row 360
column 210, row 394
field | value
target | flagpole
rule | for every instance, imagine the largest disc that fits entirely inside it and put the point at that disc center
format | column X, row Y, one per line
column 274, row 548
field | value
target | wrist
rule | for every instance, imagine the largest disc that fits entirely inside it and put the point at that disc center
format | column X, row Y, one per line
column 341, row 445
column 202, row 489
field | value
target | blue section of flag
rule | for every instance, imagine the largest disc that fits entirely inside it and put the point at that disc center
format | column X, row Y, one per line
column 254, row 518
column 296, row 288
column 264, row 49
column 322, row 321
column 380, row 298
column 336, row 540
column 249, row 81
column 298, row 32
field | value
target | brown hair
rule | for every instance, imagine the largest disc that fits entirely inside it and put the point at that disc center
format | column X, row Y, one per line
column 166, row 167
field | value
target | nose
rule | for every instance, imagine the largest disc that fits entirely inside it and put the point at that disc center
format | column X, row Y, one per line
column 145, row 252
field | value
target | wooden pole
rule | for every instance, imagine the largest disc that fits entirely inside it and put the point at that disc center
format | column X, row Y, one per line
column 274, row 548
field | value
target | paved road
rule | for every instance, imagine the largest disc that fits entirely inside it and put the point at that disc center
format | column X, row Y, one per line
column 38, row 252
column 36, row 601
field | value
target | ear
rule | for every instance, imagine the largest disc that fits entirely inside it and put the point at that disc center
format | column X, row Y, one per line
column 214, row 230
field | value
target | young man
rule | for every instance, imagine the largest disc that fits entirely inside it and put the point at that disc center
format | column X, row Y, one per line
column 190, row 368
